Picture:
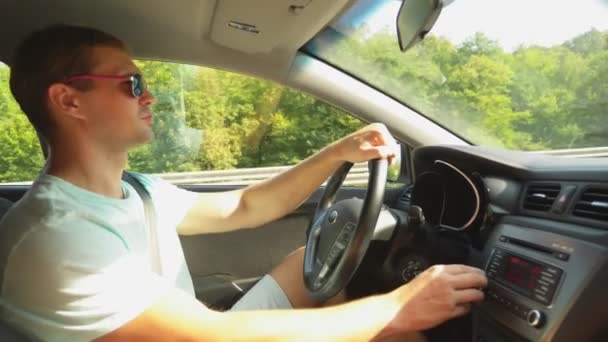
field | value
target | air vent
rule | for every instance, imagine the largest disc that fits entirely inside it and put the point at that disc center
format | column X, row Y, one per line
column 403, row 202
column 541, row 196
column 592, row 204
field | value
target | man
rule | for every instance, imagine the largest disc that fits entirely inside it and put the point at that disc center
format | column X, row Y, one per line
column 75, row 263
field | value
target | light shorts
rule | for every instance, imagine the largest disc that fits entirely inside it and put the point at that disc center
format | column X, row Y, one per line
column 265, row 295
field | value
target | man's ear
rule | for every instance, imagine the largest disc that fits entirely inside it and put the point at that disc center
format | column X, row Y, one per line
column 65, row 100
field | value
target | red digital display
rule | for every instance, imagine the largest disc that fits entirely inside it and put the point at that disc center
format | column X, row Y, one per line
column 521, row 272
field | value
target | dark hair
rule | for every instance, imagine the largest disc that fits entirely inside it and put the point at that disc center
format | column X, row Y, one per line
column 48, row 56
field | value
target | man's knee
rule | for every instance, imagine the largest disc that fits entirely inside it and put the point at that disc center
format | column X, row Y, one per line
column 290, row 277
column 288, row 274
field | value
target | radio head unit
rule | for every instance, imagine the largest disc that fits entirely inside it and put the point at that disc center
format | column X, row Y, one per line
column 533, row 279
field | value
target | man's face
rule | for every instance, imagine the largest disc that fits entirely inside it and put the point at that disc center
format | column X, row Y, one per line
column 114, row 117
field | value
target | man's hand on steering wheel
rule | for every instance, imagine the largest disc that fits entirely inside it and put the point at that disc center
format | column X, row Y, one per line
column 370, row 142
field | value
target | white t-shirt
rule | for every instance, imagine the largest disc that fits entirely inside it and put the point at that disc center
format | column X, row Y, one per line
column 75, row 265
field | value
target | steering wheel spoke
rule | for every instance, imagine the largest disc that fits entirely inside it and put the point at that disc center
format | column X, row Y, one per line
column 331, row 261
column 341, row 232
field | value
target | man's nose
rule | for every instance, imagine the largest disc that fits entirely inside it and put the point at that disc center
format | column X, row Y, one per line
column 147, row 98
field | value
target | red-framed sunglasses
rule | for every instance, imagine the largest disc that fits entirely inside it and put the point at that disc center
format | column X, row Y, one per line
column 138, row 85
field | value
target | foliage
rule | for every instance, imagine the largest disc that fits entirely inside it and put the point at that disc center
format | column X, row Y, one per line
column 20, row 153
column 533, row 98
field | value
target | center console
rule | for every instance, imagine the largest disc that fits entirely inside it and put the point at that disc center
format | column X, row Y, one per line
column 535, row 277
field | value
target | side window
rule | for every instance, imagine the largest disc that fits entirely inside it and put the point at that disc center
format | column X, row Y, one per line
column 21, row 157
column 216, row 127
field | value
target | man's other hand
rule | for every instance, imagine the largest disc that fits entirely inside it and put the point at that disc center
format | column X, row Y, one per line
column 438, row 294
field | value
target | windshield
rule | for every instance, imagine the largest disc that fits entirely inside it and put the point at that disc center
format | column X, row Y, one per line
column 517, row 74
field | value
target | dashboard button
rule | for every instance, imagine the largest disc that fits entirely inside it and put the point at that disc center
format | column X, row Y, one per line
column 562, row 256
column 551, row 281
column 541, row 298
column 553, row 270
column 498, row 259
column 522, row 312
column 548, row 275
column 492, row 269
column 495, row 264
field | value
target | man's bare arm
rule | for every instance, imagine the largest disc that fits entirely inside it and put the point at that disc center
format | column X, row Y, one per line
column 269, row 200
column 438, row 294
column 259, row 203
column 178, row 316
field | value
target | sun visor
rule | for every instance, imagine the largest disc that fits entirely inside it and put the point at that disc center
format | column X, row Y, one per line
column 263, row 25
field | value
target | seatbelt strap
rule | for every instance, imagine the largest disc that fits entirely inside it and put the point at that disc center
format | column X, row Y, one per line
column 150, row 220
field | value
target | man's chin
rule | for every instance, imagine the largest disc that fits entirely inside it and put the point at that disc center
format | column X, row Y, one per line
column 144, row 139
column 148, row 138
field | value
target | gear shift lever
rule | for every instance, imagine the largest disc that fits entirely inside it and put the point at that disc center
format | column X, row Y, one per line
column 415, row 215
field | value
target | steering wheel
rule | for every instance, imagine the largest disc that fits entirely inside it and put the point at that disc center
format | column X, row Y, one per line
column 340, row 232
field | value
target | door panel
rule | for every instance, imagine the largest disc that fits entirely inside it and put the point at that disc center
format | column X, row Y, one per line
column 245, row 253
column 223, row 266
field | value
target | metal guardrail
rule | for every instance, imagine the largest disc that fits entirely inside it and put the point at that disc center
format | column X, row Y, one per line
column 357, row 175
column 590, row 152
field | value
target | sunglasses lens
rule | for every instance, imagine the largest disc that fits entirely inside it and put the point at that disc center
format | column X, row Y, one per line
column 137, row 85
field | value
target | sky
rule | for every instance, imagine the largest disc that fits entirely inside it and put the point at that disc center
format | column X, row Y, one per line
column 510, row 22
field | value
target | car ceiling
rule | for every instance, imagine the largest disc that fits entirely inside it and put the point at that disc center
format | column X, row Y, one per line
column 187, row 31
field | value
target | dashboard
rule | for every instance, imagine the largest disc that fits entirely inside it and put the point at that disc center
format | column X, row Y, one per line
column 542, row 226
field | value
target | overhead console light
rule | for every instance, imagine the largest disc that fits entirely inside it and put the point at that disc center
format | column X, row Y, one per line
column 243, row 27
column 298, row 8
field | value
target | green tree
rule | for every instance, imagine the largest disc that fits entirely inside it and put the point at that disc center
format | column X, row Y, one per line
column 591, row 102
column 21, row 158
column 545, row 84
column 483, row 84
column 588, row 43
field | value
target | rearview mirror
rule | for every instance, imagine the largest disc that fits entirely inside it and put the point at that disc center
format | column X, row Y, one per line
column 415, row 20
